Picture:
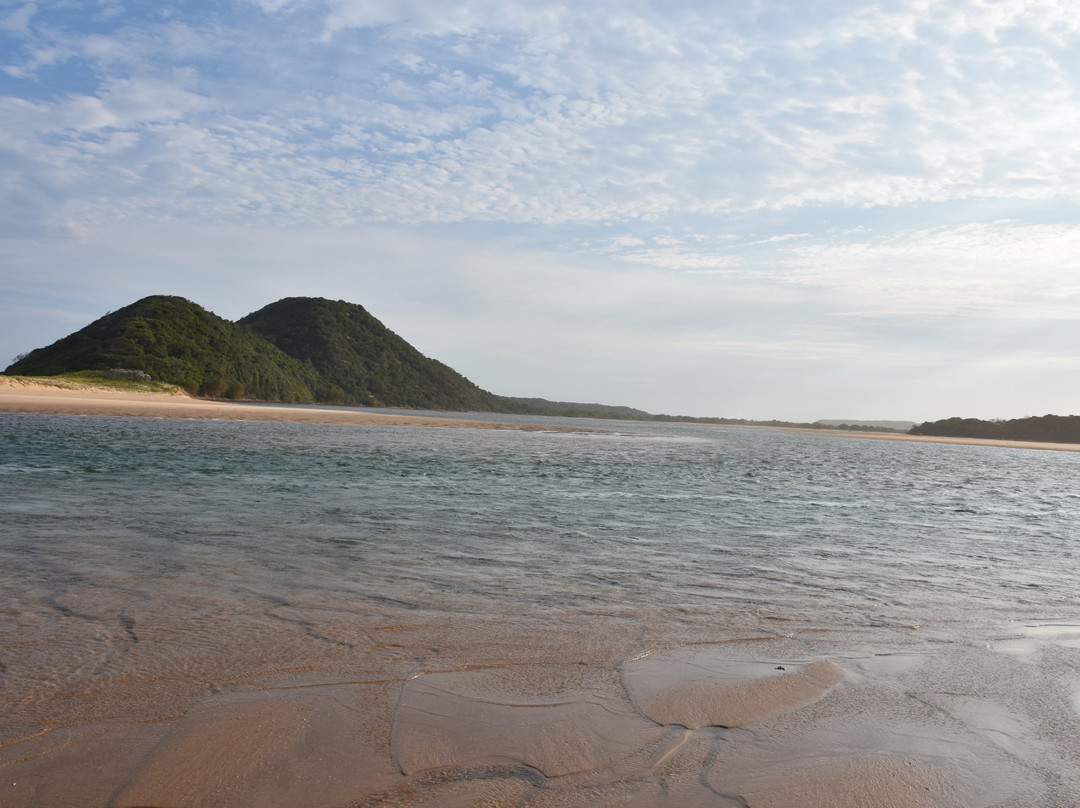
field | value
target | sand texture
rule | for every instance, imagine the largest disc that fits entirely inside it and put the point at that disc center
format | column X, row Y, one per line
column 701, row 690
column 510, row 716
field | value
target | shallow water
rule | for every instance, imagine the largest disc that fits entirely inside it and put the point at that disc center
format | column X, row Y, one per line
column 148, row 565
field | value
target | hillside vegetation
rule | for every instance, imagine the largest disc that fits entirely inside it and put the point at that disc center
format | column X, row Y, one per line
column 305, row 349
column 358, row 360
column 1042, row 428
column 179, row 342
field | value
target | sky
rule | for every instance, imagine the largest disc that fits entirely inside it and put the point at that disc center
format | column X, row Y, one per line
column 791, row 209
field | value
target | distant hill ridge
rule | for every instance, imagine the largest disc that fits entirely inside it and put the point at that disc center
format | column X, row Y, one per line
column 298, row 349
column 896, row 426
column 307, row 349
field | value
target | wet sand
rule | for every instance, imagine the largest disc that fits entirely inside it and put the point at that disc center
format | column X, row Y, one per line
column 543, row 710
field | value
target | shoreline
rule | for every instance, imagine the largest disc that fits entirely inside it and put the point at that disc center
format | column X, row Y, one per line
column 19, row 395
column 279, row 639
column 905, row 438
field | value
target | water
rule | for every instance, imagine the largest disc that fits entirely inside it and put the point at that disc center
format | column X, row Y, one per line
column 164, row 560
column 688, row 515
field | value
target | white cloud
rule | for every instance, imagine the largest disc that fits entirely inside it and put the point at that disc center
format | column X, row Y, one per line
column 18, row 21
column 564, row 114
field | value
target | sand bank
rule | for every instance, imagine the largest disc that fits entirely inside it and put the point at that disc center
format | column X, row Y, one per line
column 20, row 395
column 490, row 711
column 899, row 436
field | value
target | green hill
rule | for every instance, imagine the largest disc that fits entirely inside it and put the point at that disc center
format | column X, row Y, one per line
column 176, row 341
column 361, row 361
column 299, row 349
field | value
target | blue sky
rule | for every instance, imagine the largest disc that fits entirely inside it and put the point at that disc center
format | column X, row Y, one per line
column 764, row 209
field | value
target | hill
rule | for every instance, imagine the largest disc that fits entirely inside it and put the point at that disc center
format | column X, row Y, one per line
column 304, row 349
column 176, row 341
column 360, row 361
column 1043, row 428
column 572, row 409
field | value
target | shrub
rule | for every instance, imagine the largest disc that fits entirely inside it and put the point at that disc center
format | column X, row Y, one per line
column 128, row 375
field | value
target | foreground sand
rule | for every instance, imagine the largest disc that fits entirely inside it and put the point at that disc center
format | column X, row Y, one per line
column 17, row 394
column 379, row 705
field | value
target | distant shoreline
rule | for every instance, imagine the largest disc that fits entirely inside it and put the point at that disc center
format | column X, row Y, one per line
column 19, row 395
column 899, row 436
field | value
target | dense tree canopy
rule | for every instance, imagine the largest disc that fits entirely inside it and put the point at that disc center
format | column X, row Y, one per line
column 176, row 341
column 1046, row 428
column 360, row 361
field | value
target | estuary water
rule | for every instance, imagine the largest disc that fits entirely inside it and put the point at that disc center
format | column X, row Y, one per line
column 151, row 566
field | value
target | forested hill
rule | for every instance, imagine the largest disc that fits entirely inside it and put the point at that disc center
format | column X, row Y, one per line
column 1044, row 428
column 360, row 361
column 176, row 341
column 299, row 349
column 295, row 350
column 304, row 349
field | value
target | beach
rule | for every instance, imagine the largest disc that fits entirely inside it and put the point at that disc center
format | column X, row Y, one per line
column 510, row 712
column 206, row 610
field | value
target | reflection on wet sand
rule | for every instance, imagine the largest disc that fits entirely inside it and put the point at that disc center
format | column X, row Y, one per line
column 694, row 688
column 703, row 724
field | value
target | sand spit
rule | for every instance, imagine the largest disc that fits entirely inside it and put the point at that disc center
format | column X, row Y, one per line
column 19, row 395
column 901, row 437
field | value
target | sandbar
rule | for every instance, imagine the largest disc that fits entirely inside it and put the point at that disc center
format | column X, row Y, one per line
column 508, row 710
column 903, row 437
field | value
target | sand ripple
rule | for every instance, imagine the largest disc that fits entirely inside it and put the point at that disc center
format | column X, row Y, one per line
column 447, row 720
column 695, row 688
